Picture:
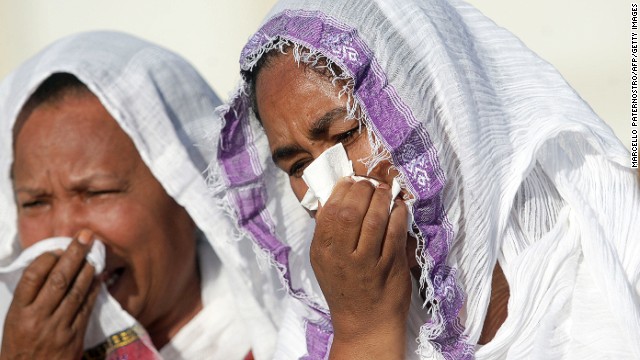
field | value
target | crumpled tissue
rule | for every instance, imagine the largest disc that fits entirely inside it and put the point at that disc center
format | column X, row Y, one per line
column 325, row 171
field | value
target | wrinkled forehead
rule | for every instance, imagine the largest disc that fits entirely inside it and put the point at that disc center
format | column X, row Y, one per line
column 51, row 93
column 80, row 116
column 71, row 133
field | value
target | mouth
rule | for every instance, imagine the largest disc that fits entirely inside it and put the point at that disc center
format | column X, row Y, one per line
column 111, row 277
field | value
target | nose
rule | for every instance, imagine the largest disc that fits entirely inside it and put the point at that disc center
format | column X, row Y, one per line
column 69, row 217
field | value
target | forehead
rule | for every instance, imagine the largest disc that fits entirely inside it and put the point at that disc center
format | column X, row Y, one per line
column 73, row 129
column 291, row 96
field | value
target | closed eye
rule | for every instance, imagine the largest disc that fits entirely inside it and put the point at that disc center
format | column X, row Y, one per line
column 96, row 193
column 32, row 204
column 348, row 135
column 297, row 169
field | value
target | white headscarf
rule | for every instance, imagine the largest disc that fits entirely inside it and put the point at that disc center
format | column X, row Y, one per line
column 507, row 163
column 164, row 106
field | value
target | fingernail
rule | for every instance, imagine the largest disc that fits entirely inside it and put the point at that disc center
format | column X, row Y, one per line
column 383, row 186
column 85, row 237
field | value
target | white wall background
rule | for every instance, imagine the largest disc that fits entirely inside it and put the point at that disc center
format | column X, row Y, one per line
column 587, row 40
column 210, row 33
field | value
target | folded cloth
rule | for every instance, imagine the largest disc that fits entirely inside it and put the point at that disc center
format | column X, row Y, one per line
column 325, row 171
column 111, row 332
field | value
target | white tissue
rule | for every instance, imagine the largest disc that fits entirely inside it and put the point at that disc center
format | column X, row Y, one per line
column 323, row 174
column 325, row 171
column 95, row 257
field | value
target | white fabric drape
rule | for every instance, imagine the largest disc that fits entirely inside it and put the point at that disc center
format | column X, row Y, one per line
column 531, row 177
column 164, row 105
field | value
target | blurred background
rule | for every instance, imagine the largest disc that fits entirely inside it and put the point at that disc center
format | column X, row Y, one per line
column 588, row 41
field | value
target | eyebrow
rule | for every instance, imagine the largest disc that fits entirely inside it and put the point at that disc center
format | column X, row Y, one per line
column 81, row 183
column 285, row 152
column 318, row 130
column 35, row 191
column 321, row 126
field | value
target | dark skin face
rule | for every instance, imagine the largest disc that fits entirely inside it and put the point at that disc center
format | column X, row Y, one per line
column 358, row 252
column 76, row 169
column 303, row 115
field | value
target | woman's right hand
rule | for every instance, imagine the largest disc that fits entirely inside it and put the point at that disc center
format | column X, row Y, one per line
column 359, row 257
column 52, row 303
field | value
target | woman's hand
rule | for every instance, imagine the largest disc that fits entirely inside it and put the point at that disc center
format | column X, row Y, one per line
column 359, row 258
column 48, row 316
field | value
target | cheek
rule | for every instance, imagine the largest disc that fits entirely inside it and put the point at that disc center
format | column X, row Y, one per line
column 144, row 223
column 386, row 172
column 119, row 223
column 359, row 152
column 155, row 230
column 33, row 229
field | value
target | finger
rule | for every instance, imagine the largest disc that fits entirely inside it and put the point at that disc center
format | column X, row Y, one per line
column 64, row 273
column 375, row 222
column 80, row 321
column 33, row 278
column 341, row 188
column 342, row 217
column 395, row 240
column 76, row 296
